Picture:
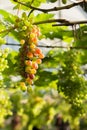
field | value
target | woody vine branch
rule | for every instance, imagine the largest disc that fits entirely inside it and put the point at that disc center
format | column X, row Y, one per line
column 63, row 21
column 51, row 9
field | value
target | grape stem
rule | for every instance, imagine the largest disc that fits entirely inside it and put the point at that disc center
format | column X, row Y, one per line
column 63, row 22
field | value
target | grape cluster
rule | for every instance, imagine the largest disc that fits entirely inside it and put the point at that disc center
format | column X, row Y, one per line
column 71, row 82
column 29, row 54
column 3, row 63
column 3, row 60
column 5, row 106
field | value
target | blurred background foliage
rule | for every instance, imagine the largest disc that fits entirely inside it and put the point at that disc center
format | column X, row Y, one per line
column 60, row 86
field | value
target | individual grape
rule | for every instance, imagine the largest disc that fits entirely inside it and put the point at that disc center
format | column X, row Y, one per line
column 34, row 65
column 29, row 81
column 34, row 40
column 32, row 35
column 41, row 56
column 28, row 62
column 22, row 41
column 32, row 47
column 24, row 27
column 39, row 61
column 38, row 51
column 23, row 86
column 33, row 71
column 30, row 55
column 32, row 76
column 27, row 69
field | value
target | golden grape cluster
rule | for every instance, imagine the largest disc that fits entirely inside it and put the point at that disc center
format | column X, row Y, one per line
column 30, row 56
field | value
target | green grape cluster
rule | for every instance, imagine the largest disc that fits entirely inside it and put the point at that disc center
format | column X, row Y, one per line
column 71, row 81
column 5, row 106
column 29, row 54
column 3, row 63
column 3, row 60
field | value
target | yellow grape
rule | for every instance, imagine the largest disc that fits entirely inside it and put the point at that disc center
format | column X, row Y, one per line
column 22, row 41
column 33, row 71
column 32, row 46
column 28, row 69
column 23, row 86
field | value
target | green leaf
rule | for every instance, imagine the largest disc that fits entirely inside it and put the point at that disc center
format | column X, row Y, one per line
column 64, row 1
column 42, row 16
column 8, row 16
column 2, row 41
column 50, row 76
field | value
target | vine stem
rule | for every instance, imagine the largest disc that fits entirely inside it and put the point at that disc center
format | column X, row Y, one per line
column 71, row 23
column 63, row 22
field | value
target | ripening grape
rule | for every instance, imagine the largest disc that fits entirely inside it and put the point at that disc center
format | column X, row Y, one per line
column 39, row 61
column 34, row 40
column 23, row 86
column 29, row 54
column 41, row 56
column 34, row 65
column 28, row 62
column 38, row 51
column 29, row 81
column 31, row 76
